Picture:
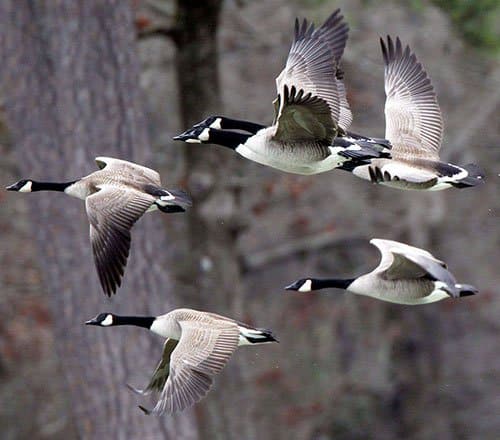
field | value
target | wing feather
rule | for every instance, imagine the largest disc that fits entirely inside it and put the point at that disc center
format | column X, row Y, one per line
column 414, row 123
column 202, row 352
column 312, row 68
column 112, row 211
column 134, row 171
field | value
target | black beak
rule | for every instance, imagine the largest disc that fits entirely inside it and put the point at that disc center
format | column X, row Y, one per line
column 293, row 286
column 11, row 187
column 92, row 322
column 183, row 136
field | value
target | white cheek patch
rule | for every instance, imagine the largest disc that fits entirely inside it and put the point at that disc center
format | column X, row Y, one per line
column 216, row 124
column 204, row 135
column 306, row 287
column 193, row 141
column 26, row 188
column 107, row 321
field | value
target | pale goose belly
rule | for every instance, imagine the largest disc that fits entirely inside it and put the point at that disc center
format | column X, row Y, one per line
column 297, row 158
column 404, row 175
column 407, row 292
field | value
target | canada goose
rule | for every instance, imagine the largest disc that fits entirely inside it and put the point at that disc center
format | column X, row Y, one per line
column 311, row 113
column 414, row 127
column 405, row 275
column 198, row 346
column 115, row 197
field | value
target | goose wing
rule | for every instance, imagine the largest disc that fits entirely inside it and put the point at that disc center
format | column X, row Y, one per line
column 311, row 102
column 112, row 211
column 402, row 262
column 389, row 266
column 133, row 171
column 202, row 352
column 160, row 375
column 414, row 124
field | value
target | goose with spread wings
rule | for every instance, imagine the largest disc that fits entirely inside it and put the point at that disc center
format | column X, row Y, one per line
column 405, row 275
column 116, row 196
column 414, row 127
column 309, row 133
column 198, row 346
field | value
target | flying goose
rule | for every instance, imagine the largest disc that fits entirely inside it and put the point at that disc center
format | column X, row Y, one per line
column 115, row 197
column 197, row 348
column 311, row 113
column 414, row 127
column 405, row 275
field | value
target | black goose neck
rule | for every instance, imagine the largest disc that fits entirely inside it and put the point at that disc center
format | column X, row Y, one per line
column 229, row 139
column 139, row 321
column 325, row 283
column 50, row 186
column 237, row 124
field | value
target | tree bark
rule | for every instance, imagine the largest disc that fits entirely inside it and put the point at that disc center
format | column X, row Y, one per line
column 69, row 79
column 214, row 222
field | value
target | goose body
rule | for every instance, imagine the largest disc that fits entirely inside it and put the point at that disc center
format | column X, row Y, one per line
column 198, row 345
column 309, row 133
column 115, row 196
column 405, row 275
column 414, row 127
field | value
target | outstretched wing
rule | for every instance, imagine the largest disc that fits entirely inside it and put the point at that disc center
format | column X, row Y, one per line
column 133, row 171
column 402, row 262
column 161, row 372
column 202, row 352
column 311, row 83
column 386, row 248
column 112, row 211
column 414, row 124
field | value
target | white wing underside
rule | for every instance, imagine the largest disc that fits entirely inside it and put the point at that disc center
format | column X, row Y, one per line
column 414, row 124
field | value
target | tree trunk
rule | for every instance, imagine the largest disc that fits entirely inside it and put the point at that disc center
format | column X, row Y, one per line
column 214, row 221
column 69, row 79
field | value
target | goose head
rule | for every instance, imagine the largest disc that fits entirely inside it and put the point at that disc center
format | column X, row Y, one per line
column 24, row 185
column 195, row 135
column 302, row 285
column 102, row 320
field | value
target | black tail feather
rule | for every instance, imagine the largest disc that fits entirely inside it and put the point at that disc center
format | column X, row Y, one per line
column 466, row 290
column 475, row 177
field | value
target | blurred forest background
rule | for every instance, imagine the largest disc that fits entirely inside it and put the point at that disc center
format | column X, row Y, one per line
column 80, row 79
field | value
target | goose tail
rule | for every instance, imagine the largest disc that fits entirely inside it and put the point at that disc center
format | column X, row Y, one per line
column 173, row 200
column 360, row 150
column 250, row 335
column 466, row 290
column 474, row 176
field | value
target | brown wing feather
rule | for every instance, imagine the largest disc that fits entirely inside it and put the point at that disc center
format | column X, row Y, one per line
column 312, row 66
column 112, row 212
column 202, row 353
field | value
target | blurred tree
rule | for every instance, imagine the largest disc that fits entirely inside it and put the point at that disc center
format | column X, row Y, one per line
column 69, row 82
column 214, row 221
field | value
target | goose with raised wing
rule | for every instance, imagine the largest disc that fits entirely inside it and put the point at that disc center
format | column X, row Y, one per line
column 198, row 346
column 116, row 196
column 405, row 275
column 414, row 127
column 309, row 133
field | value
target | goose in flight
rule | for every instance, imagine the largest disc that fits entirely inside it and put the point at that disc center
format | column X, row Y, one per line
column 116, row 196
column 198, row 345
column 311, row 113
column 405, row 275
column 414, row 127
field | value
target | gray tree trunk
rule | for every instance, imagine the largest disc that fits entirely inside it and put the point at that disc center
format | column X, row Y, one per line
column 69, row 84
column 214, row 221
